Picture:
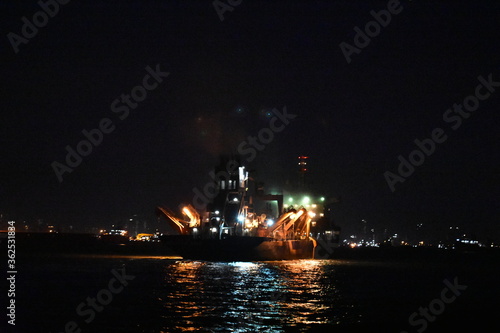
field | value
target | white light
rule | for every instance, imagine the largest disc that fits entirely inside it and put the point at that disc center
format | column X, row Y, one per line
column 235, row 199
column 216, row 212
column 243, row 264
column 241, row 218
column 214, row 229
column 270, row 222
column 195, row 229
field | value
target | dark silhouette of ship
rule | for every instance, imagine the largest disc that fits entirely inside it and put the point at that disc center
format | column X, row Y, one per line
column 240, row 222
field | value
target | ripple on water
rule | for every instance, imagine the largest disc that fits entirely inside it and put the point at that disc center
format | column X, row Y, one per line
column 251, row 296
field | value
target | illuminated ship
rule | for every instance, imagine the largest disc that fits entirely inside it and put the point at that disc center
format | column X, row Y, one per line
column 242, row 223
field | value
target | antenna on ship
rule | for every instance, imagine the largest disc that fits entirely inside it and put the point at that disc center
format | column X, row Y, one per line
column 303, row 169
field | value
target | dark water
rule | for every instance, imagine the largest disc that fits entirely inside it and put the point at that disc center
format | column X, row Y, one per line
column 283, row 296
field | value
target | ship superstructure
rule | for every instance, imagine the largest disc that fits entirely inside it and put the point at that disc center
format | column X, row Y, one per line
column 240, row 210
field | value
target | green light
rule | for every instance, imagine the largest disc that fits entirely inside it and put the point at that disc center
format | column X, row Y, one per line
column 306, row 200
column 291, row 199
column 322, row 199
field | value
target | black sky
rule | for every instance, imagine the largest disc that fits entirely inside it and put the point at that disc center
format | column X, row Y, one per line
column 353, row 120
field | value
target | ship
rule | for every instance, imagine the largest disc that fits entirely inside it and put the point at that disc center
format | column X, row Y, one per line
column 241, row 222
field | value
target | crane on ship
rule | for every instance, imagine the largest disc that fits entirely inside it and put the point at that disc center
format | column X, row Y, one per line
column 292, row 224
column 183, row 227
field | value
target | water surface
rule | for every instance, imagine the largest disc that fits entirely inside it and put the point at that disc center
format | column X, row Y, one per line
column 171, row 295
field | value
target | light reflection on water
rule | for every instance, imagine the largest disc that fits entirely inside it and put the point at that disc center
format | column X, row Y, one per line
column 282, row 296
column 251, row 296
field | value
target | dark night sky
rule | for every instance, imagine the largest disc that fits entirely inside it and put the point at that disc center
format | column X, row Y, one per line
column 353, row 119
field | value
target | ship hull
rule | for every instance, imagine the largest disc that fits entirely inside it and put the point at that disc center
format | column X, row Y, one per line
column 238, row 248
